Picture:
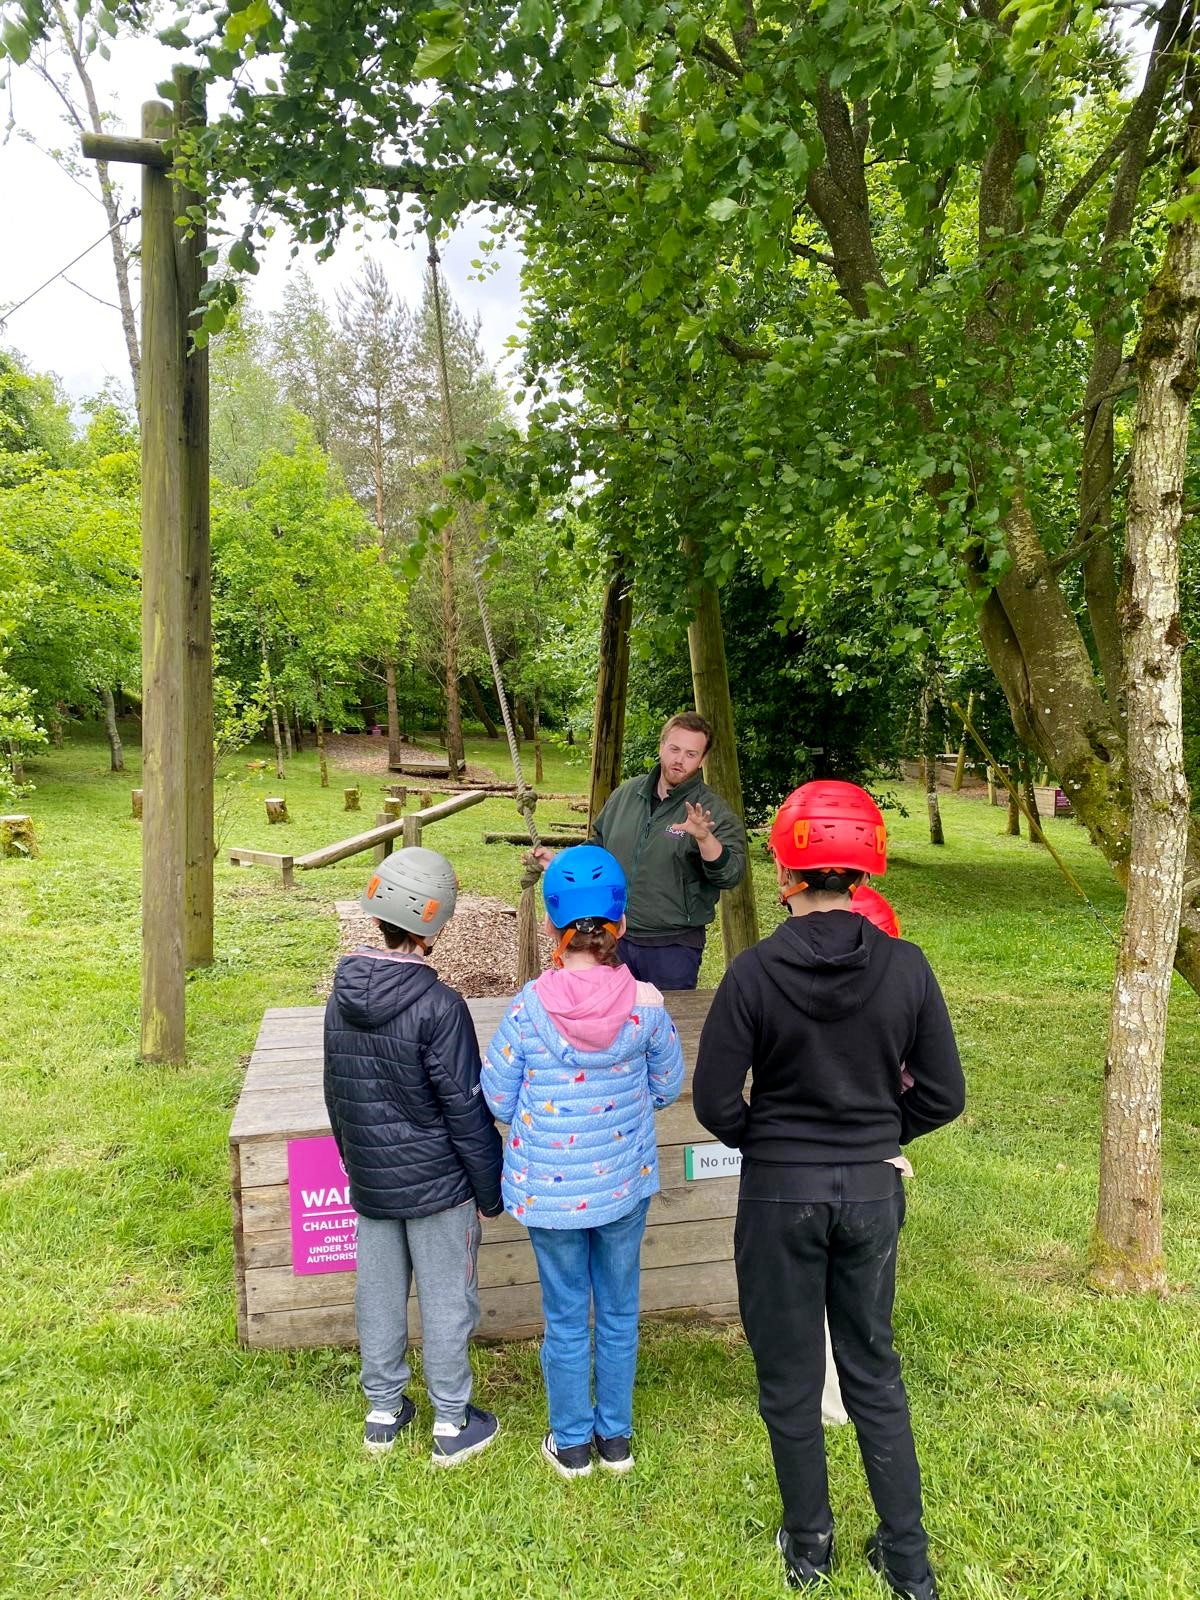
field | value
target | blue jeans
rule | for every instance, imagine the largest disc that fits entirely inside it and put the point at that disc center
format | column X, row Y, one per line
column 582, row 1268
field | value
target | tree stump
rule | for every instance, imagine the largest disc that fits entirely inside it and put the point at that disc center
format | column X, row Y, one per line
column 277, row 810
column 135, row 800
column 17, row 837
column 426, row 799
column 351, row 799
column 392, row 809
column 396, row 791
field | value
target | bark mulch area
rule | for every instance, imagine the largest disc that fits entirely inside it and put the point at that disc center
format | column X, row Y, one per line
column 477, row 953
column 365, row 752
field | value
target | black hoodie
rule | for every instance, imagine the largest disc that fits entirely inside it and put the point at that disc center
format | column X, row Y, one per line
column 402, row 1091
column 825, row 1012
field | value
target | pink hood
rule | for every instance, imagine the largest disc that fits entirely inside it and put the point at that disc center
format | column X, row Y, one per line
column 588, row 1005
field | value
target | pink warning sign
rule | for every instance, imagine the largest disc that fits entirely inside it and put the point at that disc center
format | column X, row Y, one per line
column 323, row 1220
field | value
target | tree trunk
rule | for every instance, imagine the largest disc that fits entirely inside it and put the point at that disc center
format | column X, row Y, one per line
column 321, row 761
column 960, row 766
column 1033, row 817
column 287, row 734
column 538, row 775
column 298, row 736
column 929, row 768
column 612, row 683
column 273, row 702
column 454, row 734
column 16, row 765
column 395, row 737
column 710, row 687
column 1127, row 1243
column 116, row 754
column 991, row 785
column 475, row 696
column 1013, row 825
column 524, row 717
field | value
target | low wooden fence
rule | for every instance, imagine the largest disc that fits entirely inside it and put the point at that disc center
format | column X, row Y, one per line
column 408, row 829
column 687, row 1256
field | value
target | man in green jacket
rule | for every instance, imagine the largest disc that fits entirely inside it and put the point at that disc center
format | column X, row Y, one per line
column 680, row 845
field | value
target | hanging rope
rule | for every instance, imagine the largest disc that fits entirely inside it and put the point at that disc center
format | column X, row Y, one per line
column 528, row 952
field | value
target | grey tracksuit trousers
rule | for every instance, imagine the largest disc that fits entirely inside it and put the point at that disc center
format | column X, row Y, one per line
column 441, row 1252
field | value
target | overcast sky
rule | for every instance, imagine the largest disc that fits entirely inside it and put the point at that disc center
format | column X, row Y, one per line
column 50, row 219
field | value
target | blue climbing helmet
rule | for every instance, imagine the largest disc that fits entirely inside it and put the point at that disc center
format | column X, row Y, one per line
column 584, row 884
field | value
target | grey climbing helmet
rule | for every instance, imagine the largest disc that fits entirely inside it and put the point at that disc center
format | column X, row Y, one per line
column 413, row 889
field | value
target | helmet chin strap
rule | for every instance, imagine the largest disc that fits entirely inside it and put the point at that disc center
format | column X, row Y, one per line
column 556, row 957
column 786, row 894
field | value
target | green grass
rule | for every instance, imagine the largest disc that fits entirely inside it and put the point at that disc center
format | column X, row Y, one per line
column 143, row 1454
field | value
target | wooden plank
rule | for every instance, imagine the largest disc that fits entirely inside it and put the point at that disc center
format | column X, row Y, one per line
column 263, row 1162
column 239, row 1257
column 258, row 858
column 272, row 1249
column 502, row 1265
column 329, row 853
column 265, row 1208
column 707, row 1290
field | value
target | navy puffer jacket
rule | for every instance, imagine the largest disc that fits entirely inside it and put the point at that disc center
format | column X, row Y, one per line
column 402, row 1090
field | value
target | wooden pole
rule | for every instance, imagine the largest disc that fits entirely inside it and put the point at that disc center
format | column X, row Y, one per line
column 612, row 683
column 164, row 618
column 197, row 725
column 710, row 686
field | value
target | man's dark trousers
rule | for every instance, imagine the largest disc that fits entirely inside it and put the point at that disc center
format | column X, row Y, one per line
column 666, row 966
column 794, row 1261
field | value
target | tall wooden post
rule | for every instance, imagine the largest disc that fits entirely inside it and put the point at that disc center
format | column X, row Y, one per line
column 164, row 617
column 710, row 686
column 197, row 725
column 612, row 684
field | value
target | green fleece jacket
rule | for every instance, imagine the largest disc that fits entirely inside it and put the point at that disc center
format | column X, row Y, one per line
column 671, row 886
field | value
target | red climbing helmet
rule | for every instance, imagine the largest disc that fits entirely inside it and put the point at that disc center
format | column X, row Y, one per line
column 830, row 824
column 871, row 904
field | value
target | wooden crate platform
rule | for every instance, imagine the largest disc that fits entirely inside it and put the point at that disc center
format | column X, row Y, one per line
column 687, row 1255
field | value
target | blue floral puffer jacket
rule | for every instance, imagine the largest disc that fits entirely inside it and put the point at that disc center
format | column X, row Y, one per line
column 580, row 1149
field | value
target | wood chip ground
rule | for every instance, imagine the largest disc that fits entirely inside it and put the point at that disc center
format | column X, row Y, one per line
column 477, row 953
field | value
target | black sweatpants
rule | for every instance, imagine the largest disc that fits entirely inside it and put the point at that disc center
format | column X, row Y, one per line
column 795, row 1261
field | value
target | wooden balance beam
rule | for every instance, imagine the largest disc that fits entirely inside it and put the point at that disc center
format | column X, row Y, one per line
column 408, row 828
column 687, row 1253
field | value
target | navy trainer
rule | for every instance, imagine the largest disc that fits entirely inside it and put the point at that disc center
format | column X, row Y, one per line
column 459, row 1441
column 804, row 1571
column 924, row 1588
column 379, row 1433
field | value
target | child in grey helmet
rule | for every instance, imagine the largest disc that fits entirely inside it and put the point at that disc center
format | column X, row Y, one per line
column 420, row 1150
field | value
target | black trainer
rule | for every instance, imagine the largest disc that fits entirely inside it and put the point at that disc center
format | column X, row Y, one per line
column 614, row 1455
column 568, row 1460
column 800, row 1570
column 907, row 1588
column 381, row 1427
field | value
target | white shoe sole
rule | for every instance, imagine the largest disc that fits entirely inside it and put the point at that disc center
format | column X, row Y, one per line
column 564, row 1471
column 618, row 1467
column 374, row 1448
column 471, row 1450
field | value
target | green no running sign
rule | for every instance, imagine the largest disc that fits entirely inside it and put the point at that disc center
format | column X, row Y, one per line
column 710, row 1161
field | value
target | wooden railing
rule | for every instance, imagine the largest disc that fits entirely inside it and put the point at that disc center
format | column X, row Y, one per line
column 407, row 829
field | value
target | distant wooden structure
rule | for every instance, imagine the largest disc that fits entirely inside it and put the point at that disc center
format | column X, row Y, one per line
column 687, row 1256
column 379, row 839
column 421, row 766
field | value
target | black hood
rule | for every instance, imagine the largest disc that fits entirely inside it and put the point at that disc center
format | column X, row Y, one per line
column 371, row 989
column 828, row 963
